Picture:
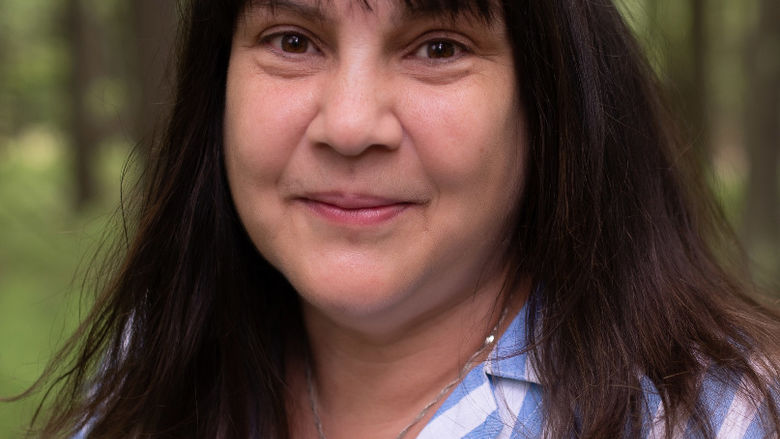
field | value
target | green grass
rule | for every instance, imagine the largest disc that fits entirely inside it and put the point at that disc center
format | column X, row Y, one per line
column 44, row 243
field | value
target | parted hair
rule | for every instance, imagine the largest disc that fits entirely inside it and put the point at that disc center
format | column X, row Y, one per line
column 632, row 260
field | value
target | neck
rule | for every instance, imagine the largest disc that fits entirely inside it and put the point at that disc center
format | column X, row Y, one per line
column 372, row 384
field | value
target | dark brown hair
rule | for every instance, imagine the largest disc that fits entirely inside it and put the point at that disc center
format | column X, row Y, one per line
column 186, row 338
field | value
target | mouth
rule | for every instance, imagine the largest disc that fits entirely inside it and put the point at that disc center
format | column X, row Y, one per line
column 354, row 209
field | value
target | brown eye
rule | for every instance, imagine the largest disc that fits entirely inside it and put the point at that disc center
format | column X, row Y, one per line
column 294, row 43
column 441, row 49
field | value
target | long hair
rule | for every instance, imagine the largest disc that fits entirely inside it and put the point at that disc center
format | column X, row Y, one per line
column 188, row 335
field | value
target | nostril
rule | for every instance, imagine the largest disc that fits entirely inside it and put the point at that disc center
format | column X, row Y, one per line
column 352, row 130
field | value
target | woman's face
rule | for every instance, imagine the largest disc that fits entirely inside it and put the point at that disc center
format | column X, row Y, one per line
column 374, row 155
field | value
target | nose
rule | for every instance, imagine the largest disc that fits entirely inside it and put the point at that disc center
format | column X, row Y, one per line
column 355, row 112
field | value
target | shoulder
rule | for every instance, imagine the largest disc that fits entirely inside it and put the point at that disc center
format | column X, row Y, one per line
column 731, row 404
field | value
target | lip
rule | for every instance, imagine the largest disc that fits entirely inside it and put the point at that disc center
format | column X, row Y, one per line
column 354, row 209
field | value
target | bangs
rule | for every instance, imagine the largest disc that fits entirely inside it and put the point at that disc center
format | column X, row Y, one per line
column 484, row 10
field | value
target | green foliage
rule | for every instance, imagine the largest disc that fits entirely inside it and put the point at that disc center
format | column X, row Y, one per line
column 34, row 63
column 43, row 244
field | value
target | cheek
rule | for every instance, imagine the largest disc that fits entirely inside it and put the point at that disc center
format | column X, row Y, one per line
column 470, row 138
column 264, row 122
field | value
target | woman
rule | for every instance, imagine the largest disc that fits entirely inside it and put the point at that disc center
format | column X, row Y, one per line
column 422, row 219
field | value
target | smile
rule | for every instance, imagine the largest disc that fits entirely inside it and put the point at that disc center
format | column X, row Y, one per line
column 354, row 210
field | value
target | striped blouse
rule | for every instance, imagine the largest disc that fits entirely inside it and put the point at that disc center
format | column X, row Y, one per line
column 501, row 398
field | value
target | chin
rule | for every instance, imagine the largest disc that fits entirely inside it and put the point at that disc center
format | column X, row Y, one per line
column 354, row 302
column 355, row 298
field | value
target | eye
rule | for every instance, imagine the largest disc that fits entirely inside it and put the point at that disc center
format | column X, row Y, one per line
column 290, row 42
column 294, row 43
column 439, row 50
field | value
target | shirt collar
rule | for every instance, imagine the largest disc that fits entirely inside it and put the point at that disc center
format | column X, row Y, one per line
column 508, row 359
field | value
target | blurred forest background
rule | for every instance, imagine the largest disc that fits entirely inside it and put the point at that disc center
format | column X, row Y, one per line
column 84, row 81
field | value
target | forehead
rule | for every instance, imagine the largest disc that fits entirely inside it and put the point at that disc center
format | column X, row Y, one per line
column 483, row 10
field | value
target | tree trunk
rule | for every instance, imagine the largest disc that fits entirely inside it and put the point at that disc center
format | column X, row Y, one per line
column 154, row 28
column 687, row 71
column 762, row 125
column 82, row 131
column 699, row 102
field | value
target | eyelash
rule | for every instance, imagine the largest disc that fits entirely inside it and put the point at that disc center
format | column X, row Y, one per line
column 270, row 39
column 422, row 50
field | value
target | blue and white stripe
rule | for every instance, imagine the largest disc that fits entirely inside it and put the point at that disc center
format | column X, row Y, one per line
column 502, row 399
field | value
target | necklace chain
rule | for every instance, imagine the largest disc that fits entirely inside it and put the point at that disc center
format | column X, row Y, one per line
column 489, row 340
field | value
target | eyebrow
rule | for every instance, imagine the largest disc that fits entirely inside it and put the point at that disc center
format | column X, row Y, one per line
column 406, row 10
column 306, row 10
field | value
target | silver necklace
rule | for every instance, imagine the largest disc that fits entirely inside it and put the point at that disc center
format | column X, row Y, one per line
column 489, row 340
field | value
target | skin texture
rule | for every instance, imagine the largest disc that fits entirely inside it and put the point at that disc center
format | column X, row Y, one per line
column 375, row 158
column 365, row 114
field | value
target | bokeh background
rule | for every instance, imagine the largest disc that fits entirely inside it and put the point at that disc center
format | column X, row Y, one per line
column 84, row 81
